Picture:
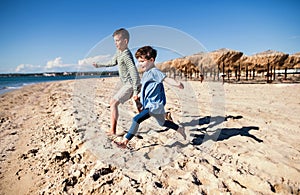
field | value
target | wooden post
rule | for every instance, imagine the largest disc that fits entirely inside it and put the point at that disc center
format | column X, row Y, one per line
column 218, row 72
column 214, row 74
column 271, row 73
column 247, row 72
column 174, row 71
column 228, row 74
column 285, row 73
column 201, row 69
column 250, row 73
column 223, row 74
column 235, row 73
column 274, row 73
column 268, row 71
column 239, row 74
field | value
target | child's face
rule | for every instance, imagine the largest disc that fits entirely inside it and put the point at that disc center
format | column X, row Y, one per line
column 121, row 44
column 145, row 64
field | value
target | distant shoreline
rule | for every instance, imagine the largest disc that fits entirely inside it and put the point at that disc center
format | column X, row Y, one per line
column 92, row 73
column 14, row 81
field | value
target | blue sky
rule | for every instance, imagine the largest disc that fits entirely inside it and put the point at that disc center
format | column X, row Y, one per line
column 55, row 35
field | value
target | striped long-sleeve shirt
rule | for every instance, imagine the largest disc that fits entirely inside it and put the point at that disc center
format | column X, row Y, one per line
column 127, row 70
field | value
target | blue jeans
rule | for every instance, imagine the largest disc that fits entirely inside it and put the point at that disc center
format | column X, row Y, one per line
column 145, row 114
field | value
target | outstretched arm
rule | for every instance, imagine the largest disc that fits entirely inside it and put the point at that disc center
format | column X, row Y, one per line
column 112, row 62
column 173, row 82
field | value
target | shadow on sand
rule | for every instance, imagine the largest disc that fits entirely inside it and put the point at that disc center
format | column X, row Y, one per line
column 210, row 131
column 201, row 135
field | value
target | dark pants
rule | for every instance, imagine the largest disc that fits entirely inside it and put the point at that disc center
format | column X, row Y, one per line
column 145, row 114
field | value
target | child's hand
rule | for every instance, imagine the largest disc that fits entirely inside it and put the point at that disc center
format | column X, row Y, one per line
column 135, row 97
column 137, row 102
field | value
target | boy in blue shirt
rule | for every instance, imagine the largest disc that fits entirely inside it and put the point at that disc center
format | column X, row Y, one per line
column 153, row 97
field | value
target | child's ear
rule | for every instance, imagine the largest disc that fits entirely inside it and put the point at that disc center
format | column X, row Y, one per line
column 126, row 40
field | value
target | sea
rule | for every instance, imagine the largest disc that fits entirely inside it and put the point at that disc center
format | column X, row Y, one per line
column 9, row 82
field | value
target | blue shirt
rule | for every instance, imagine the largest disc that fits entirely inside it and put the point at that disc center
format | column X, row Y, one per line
column 153, row 93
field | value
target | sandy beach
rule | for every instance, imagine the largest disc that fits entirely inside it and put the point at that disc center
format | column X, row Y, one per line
column 242, row 139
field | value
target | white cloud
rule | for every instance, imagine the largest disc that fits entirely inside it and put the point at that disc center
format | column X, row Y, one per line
column 28, row 68
column 57, row 62
column 20, row 67
column 57, row 65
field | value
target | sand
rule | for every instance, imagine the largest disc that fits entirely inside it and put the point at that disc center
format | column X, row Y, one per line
column 242, row 139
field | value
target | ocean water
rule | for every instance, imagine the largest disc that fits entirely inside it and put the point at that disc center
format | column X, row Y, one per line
column 13, row 82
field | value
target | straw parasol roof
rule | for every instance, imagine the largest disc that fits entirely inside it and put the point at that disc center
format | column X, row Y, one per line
column 232, row 60
column 273, row 58
column 293, row 61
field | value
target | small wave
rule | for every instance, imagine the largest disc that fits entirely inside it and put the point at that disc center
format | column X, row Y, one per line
column 15, row 87
column 5, row 89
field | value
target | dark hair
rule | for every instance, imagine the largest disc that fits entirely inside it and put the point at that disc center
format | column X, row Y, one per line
column 146, row 52
column 123, row 32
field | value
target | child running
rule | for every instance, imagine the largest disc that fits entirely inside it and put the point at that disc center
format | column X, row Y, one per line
column 128, row 73
column 153, row 97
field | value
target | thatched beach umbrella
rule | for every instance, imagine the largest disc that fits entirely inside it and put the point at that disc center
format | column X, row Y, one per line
column 165, row 66
column 226, row 56
column 272, row 58
column 226, row 59
column 268, row 62
column 292, row 61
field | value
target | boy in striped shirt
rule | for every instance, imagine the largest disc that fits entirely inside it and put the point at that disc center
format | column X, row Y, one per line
column 128, row 74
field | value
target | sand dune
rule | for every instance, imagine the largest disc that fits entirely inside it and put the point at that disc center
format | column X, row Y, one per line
column 243, row 139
